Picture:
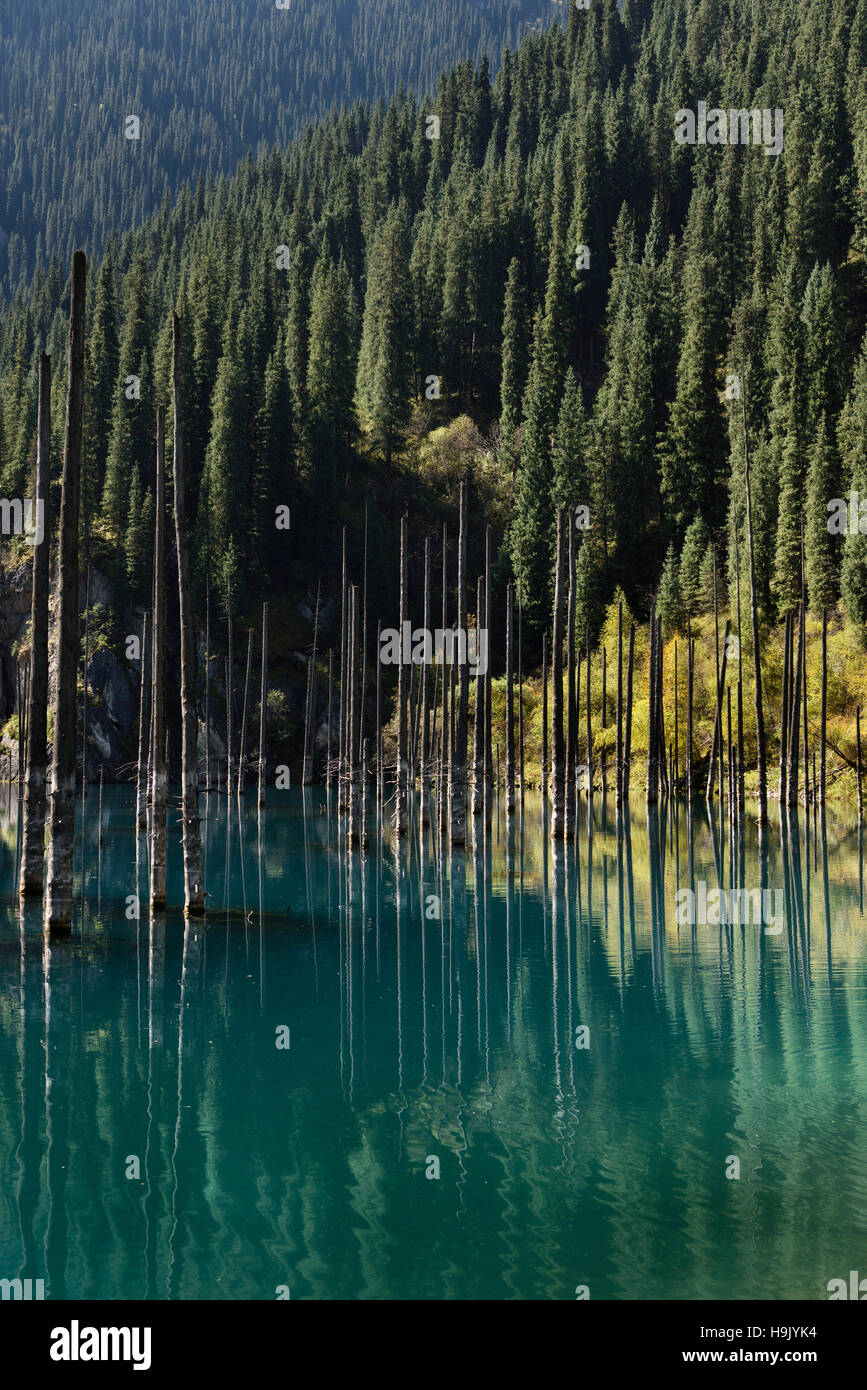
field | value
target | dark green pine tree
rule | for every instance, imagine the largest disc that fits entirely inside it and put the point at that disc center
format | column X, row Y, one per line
column 138, row 541
column 570, row 442
column 588, row 591
column 18, row 416
column 825, row 348
column 100, row 380
column 792, row 483
column 224, row 497
column 330, row 375
column 692, row 451
column 132, row 428
column 852, row 436
column 669, row 602
column 274, row 481
column 384, row 379
column 692, row 563
column 820, row 546
column 299, row 272
column 514, row 353
column 533, row 515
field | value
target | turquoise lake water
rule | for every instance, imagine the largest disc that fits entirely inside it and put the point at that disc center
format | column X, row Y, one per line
column 578, row 1066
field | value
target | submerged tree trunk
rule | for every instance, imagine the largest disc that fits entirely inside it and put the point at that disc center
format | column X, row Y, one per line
column 401, row 792
column 545, row 713
column 141, row 816
column 242, row 742
column 158, row 698
column 310, row 711
column 263, row 704
column 570, row 807
column 33, row 831
column 458, row 827
column 194, row 889
column 488, row 748
column 510, row 705
column 558, row 748
column 58, row 900
column 478, row 721
column 424, row 808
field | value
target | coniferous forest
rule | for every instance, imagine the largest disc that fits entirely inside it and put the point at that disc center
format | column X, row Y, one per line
column 433, row 651
column 521, row 279
column 207, row 84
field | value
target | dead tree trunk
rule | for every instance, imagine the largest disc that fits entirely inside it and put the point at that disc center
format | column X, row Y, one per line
column 571, row 707
column 785, row 703
column 544, row 714
column 401, row 791
column 442, row 797
column 459, row 751
column 424, row 791
column 158, row 697
column 58, row 900
column 489, row 756
column 558, row 748
column 330, row 708
column 263, row 705
column 627, row 742
column 716, row 748
column 310, row 712
column 858, row 773
column 478, row 805
column 618, row 776
column 242, row 743
column 824, row 715
column 353, row 751
column 230, row 689
column 208, row 685
column 33, row 831
column 761, row 760
column 84, row 690
column 194, row 888
column 510, row 707
column 141, row 798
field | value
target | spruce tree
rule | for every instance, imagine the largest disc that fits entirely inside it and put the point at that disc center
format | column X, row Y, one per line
column 853, row 449
column 384, row 378
column 820, row 547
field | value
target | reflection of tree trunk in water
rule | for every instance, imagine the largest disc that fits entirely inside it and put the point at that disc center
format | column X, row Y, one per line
column 190, row 970
column 28, row 1155
column 58, row 968
column 153, row 1197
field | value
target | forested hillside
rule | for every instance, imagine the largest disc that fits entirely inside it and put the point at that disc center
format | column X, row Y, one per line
column 553, row 295
column 207, row 83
